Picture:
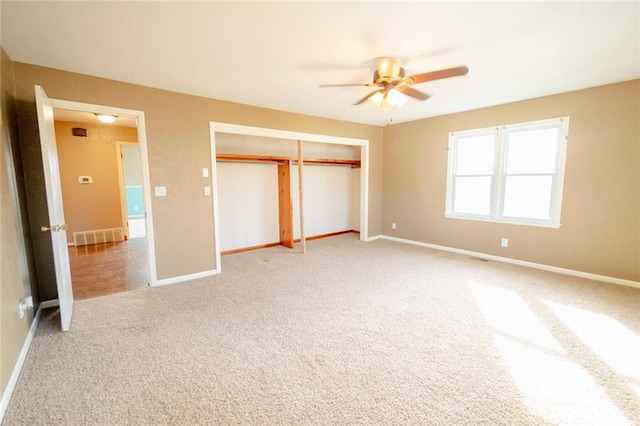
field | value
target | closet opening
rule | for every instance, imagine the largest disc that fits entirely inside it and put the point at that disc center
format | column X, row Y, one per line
column 256, row 189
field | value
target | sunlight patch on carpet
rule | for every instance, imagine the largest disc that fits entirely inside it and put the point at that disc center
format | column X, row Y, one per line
column 615, row 344
column 555, row 388
column 551, row 385
column 507, row 312
column 636, row 389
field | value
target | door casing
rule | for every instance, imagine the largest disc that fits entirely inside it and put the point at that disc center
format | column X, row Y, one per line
column 144, row 159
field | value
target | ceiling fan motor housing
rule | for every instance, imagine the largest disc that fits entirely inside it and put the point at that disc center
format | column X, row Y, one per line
column 377, row 79
column 388, row 71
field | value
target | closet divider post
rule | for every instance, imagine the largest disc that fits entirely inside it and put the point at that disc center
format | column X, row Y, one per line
column 301, row 197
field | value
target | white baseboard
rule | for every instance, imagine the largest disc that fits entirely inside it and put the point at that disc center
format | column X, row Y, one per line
column 188, row 277
column 375, row 237
column 581, row 274
column 13, row 379
column 49, row 304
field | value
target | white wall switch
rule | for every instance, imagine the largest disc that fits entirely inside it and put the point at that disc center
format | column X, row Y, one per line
column 161, row 191
column 205, row 172
column 393, row 225
column 207, row 191
column 504, row 242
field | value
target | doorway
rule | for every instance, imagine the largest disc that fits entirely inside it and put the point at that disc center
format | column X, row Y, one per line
column 131, row 189
column 98, row 174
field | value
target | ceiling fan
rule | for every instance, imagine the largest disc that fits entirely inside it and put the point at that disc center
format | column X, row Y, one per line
column 394, row 85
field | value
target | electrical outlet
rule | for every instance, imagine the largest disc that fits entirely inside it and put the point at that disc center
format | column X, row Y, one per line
column 207, row 191
column 393, row 225
column 504, row 242
column 161, row 191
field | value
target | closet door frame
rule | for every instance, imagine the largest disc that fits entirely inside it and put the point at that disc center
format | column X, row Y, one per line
column 216, row 127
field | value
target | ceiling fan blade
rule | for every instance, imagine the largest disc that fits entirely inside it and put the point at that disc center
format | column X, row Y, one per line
column 363, row 100
column 413, row 93
column 348, row 85
column 436, row 75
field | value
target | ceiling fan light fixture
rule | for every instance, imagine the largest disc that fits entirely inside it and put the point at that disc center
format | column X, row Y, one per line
column 376, row 99
column 389, row 75
column 379, row 100
column 386, row 101
column 396, row 98
column 106, row 118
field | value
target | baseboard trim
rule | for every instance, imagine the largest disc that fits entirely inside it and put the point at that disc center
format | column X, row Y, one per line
column 572, row 272
column 13, row 379
column 242, row 250
column 187, row 277
column 375, row 237
column 297, row 240
column 49, row 304
column 330, row 234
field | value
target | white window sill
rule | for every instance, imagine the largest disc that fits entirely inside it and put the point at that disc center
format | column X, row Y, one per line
column 506, row 221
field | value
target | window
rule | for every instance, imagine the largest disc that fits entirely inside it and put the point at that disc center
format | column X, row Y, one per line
column 508, row 174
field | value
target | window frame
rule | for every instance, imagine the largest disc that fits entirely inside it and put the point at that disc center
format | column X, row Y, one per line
column 499, row 176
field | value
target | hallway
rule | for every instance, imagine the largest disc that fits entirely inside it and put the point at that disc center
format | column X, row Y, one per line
column 101, row 269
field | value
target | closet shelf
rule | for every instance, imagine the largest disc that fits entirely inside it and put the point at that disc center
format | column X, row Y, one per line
column 251, row 158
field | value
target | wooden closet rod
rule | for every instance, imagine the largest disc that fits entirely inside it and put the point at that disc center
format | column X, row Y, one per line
column 282, row 160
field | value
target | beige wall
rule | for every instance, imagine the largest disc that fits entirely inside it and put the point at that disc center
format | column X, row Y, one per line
column 177, row 128
column 96, row 205
column 16, row 272
column 600, row 230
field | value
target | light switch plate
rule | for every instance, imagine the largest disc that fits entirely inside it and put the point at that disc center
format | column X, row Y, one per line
column 205, row 172
column 161, row 191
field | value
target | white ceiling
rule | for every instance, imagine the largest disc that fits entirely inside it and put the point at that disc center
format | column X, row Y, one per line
column 275, row 55
column 91, row 118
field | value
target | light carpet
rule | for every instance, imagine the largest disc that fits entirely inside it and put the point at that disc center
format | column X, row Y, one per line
column 350, row 333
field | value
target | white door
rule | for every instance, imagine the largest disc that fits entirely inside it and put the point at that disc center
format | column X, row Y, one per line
column 56, row 225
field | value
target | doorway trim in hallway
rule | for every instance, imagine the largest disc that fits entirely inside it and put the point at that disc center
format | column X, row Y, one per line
column 123, row 187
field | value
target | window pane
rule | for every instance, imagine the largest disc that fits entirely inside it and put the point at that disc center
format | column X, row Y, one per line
column 532, row 151
column 528, row 197
column 475, row 155
column 472, row 195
